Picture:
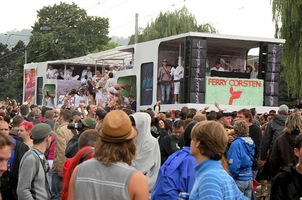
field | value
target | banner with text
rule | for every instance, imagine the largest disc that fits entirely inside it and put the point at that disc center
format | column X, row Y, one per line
column 234, row 91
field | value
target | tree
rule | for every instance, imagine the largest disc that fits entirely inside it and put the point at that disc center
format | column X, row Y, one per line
column 172, row 23
column 65, row 31
column 11, row 70
column 288, row 14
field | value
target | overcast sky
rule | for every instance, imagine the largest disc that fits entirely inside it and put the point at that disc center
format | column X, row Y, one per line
column 235, row 17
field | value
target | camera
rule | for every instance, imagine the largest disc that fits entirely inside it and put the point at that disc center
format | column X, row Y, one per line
column 78, row 125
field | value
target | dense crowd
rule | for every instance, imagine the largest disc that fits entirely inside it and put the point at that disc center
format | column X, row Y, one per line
column 104, row 152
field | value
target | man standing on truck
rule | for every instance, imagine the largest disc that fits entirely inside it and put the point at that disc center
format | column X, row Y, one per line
column 217, row 67
column 86, row 74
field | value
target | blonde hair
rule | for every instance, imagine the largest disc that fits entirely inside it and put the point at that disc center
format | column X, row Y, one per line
column 241, row 128
column 293, row 124
column 212, row 137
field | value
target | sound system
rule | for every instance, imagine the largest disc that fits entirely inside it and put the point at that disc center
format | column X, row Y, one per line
column 269, row 71
column 195, row 59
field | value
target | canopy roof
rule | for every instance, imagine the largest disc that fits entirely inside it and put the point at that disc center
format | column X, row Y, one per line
column 218, row 43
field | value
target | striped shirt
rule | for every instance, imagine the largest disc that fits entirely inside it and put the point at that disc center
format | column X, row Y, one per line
column 213, row 182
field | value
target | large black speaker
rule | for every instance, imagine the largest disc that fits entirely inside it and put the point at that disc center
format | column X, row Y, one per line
column 271, row 101
column 270, row 57
column 271, row 88
column 272, row 77
column 269, row 71
column 194, row 84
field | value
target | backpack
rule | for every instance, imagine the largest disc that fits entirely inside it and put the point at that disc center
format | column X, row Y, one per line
column 72, row 147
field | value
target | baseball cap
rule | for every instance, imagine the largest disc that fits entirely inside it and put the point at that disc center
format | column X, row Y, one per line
column 41, row 131
column 33, row 106
column 76, row 112
column 223, row 114
column 89, row 122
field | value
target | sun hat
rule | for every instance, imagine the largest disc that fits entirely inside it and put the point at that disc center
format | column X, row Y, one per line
column 117, row 127
column 89, row 122
column 41, row 131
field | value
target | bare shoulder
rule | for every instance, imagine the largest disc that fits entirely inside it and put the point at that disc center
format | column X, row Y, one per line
column 138, row 193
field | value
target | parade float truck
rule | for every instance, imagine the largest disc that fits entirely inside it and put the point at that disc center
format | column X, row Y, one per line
column 138, row 66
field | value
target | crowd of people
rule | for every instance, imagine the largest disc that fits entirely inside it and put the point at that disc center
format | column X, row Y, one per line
column 97, row 152
column 96, row 89
column 170, row 76
column 225, row 66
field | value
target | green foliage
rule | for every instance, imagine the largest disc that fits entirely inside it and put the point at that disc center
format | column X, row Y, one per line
column 172, row 23
column 11, row 70
column 288, row 14
column 111, row 45
column 66, row 31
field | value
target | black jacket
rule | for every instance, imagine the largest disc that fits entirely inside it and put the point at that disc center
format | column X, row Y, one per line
column 274, row 128
column 287, row 185
column 9, row 180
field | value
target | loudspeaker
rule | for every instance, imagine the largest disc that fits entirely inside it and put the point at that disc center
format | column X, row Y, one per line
column 196, row 97
column 271, row 88
column 197, row 85
column 269, row 71
column 271, row 101
column 269, row 76
column 272, row 67
column 194, row 81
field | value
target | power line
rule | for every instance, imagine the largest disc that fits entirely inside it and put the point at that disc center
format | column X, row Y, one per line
column 151, row 14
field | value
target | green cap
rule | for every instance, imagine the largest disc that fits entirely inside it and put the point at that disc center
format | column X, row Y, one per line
column 89, row 122
column 41, row 131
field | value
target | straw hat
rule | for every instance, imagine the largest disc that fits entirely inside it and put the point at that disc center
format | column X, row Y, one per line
column 117, row 127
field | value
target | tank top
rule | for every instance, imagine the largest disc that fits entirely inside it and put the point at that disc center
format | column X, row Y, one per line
column 97, row 181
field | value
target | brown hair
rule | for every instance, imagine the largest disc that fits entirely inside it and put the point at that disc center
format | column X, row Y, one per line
column 5, row 140
column 88, row 138
column 111, row 152
column 241, row 128
column 212, row 137
column 247, row 113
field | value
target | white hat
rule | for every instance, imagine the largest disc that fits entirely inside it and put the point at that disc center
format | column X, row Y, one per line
column 283, row 108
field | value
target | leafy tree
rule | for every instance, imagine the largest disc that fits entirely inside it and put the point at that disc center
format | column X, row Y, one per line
column 11, row 70
column 66, row 31
column 111, row 45
column 288, row 13
column 172, row 23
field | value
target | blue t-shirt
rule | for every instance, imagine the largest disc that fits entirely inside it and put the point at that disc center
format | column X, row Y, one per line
column 213, row 182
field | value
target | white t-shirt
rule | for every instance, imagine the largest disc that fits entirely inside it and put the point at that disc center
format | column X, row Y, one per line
column 220, row 69
column 254, row 74
column 178, row 72
column 51, row 73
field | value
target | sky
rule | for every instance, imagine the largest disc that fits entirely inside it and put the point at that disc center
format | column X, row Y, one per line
column 233, row 17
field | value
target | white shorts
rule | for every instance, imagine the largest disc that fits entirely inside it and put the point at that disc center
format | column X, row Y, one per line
column 176, row 87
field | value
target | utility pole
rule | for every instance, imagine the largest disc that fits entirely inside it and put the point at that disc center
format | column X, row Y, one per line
column 25, row 56
column 136, row 28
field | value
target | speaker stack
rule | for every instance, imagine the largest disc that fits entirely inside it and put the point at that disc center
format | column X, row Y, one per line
column 269, row 71
column 194, row 83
